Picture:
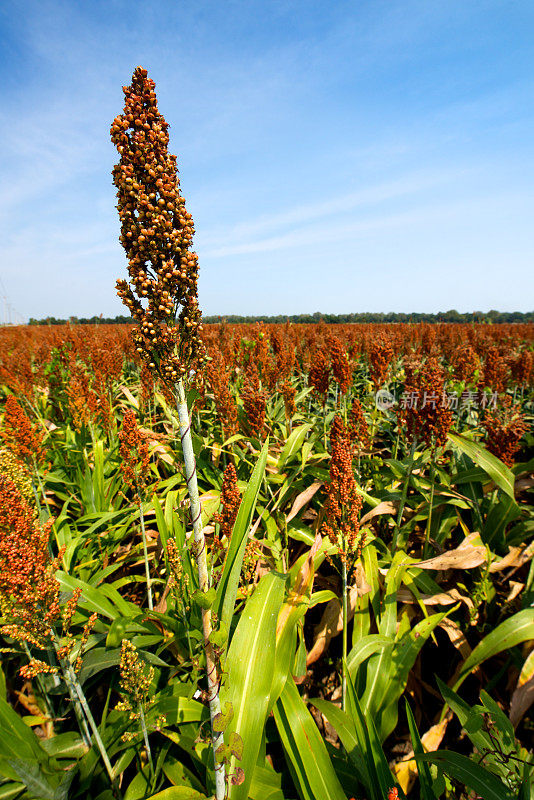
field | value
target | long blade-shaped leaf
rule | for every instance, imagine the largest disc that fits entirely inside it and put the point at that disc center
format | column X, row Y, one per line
column 227, row 588
column 380, row 777
column 291, row 612
column 305, row 748
column 492, row 466
column 425, row 778
column 344, row 727
column 518, row 628
column 293, row 444
column 402, row 660
column 250, row 666
column 473, row 775
column 17, row 741
column 365, row 647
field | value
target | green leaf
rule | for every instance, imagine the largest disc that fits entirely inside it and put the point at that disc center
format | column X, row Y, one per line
column 499, row 473
column 314, row 773
column 139, row 787
column 117, row 632
column 365, row 647
column 178, row 793
column 265, row 784
column 31, row 774
column 227, row 588
column 480, row 739
column 322, row 596
column 204, row 599
column 163, row 529
column 345, row 729
column 8, row 791
column 380, row 777
column 223, row 718
column 220, row 636
column 17, row 741
column 425, row 778
column 249, row 666
column 98, row 476
column 96, row 660
column 473, row 775
column 518, row 628
column 65, row 745
column 503, row 511
column 403, row 658
column 178, row 710
column 92, row 598
column 294, row 443
column 179, row 774
column 379, row 667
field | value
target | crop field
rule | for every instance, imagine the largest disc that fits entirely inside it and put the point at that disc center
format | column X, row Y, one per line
column 367, row 529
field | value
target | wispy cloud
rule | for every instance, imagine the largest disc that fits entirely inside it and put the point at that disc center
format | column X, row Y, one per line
column 364, row 199
column 302, row 130
column 418, row 217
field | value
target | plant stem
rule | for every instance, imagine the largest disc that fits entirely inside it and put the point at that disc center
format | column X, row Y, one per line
column 403, row 498
column 203, row 580
column 46, row 699
column 45, row 501
column 145, row 737
column 429, row 521
column 344, row 680
column 77, row 694
column 145, row 553
column 92, row 724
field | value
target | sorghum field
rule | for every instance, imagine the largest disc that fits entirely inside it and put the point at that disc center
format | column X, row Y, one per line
column 277, row 562
column 414, row 518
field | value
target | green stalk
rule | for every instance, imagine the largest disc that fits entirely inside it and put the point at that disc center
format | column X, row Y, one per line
column 40, row 684
column 145, row 737
column 45, row 501
column 429, row 521
column 90, row 719
column 145, row 553
column 76, row 691
column 203, row 581
column 403, row 498
column 344, row 679
column 78, row 710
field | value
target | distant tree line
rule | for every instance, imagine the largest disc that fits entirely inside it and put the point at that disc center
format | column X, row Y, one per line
column 81, row 321
column 489, row 317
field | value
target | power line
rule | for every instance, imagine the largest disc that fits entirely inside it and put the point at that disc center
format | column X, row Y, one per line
column 10, row 315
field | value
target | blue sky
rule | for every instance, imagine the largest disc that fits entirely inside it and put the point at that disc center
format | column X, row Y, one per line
column 336, row 156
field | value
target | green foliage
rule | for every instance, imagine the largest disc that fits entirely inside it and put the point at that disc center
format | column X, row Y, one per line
column 274, row 597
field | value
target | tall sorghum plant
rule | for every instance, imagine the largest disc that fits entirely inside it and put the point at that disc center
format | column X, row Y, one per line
column 157, row 234
column 29, row 606
column 342, row 510
column 134, row 465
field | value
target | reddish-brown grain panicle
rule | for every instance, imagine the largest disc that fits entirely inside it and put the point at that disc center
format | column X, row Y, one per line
column 340, row 364
column 22, row 438
column 357, row 426
column 255, row 405
column 157, row 235
column 218, row 377
column 505, row 427
column 134, row 454
column 380, row 355
column 426, row 415
column 288, row 392
column 319, row 375
column 29, row 591
column 466, row 363
column 343, row 503
column 230, row 502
